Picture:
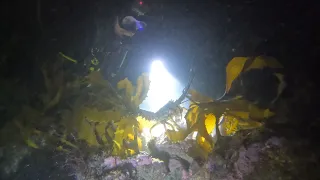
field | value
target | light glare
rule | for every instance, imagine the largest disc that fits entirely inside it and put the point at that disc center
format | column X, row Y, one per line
column 163, row 87
column 158, row 130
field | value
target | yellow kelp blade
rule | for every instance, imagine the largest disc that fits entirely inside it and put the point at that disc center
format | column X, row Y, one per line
column 93, row 115
column 96, row 79
column 130, row 152
column 119, row 148
column 204, row 140
column 132, row 143
column 204, row 144
column 240, row 114
column 176, row 136
column 68, row 58
column 125, row 131
column 231, row 124
column 210, row 122
column 63, row 140
column 139, row 144
column 135, row 95
column 142, row 89
column 233, row 70
column 144, row 123
column 203, row 123
column 259, row 114
column 30, row 143
column 192, row 115
column 236, row 65
column 206, row 124
column 127, row 86
column 127, row 121
column 88, row 120
column 26, row 133
column 264, row 61
column 86, row 132
column 249, row 124
column 195, row 96
column 228, row 126
column 130, row 136
column 196, row 152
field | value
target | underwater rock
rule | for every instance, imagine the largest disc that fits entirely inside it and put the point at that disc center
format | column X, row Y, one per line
column 139, row 160
column 102, row 166
column 10, row 158
column 247, row 157
column 267, row 159
column 24, row 163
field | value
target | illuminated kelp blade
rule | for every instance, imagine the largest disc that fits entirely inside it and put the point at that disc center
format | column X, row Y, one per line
column 106, row 117
column 123, row 121
column 204, row 114
column 99, row 115
column 89, row 122
column 202, row 119
column 238, row 65
column 135, row 95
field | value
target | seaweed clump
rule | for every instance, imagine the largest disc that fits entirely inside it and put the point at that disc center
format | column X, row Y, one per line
column 88, row 120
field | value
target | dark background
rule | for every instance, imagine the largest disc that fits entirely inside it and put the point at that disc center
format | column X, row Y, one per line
column 213, row 31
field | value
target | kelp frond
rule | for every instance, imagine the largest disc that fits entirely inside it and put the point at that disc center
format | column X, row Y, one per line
column 107, row 117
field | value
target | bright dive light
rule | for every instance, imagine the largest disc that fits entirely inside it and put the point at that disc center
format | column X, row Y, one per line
column 157, row 67
column 163, row 87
